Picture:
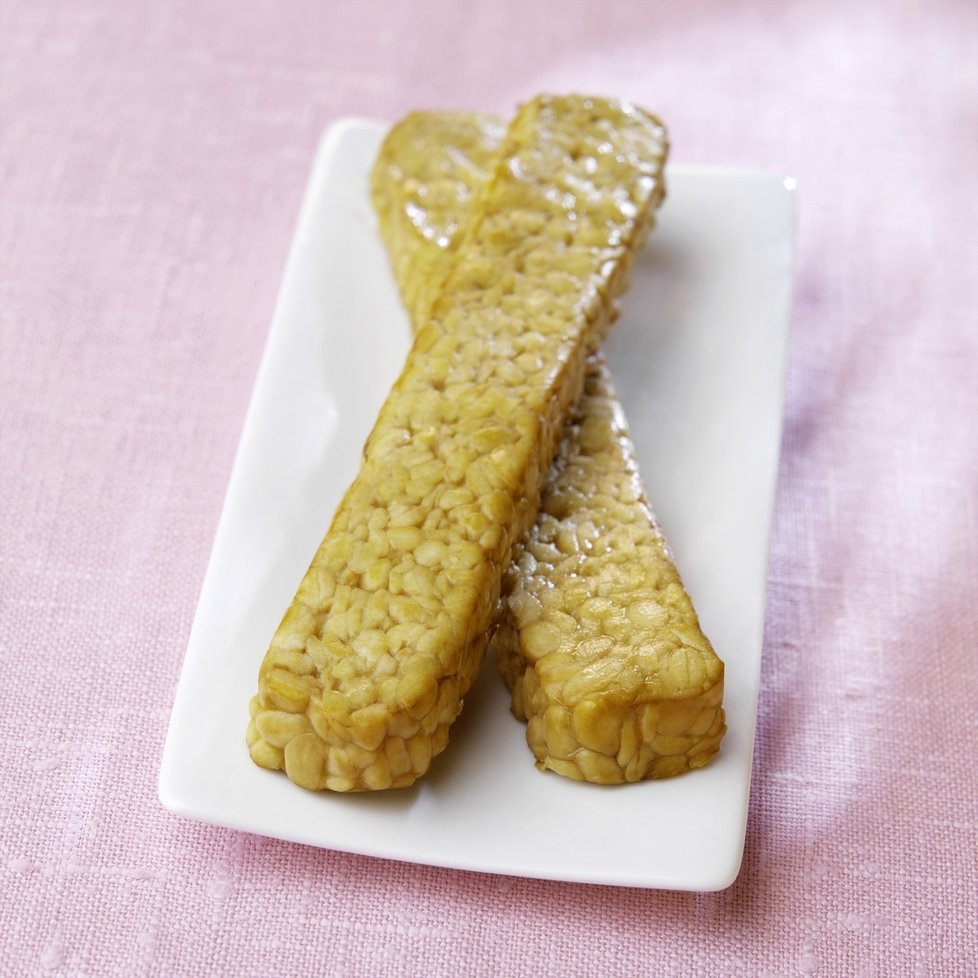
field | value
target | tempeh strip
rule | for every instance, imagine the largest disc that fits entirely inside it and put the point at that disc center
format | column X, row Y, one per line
column 599, row 642
column 600, row 645
column 390, row 623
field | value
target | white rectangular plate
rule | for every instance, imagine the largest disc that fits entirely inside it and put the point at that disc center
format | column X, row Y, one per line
column 698, row 359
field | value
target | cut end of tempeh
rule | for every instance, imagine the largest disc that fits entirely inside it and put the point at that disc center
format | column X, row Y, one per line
column 425, row 185
column 389, row 626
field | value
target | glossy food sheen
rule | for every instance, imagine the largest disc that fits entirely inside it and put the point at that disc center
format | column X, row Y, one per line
column 600, row 646
column 599, row 642
column 390, row 623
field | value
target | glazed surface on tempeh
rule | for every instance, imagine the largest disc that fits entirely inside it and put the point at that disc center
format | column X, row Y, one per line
column 599, row 642
column 390, row 623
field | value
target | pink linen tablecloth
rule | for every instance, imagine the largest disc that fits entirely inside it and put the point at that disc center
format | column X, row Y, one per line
column 153, row 158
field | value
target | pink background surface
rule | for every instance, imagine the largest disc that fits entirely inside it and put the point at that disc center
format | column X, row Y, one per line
column 153, row 158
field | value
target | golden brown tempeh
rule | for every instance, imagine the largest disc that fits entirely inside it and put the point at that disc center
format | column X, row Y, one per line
column 599, row 643
column 425, row 185
column 390, row 623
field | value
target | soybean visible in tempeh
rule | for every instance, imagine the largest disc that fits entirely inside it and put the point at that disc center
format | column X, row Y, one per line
column 390, row 623
column 599, row 642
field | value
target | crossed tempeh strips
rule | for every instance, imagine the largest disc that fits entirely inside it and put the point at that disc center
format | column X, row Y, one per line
column 598, row 642
column 390, row 623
